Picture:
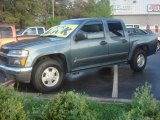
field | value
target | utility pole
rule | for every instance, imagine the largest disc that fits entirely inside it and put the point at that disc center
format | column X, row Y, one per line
column 53, row 1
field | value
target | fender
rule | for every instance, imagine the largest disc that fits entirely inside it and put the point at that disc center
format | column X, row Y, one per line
column 135, row 46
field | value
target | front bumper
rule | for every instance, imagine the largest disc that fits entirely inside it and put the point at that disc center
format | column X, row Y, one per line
column 19, row 74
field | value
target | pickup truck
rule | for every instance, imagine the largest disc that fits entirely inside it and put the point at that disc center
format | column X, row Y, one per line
column 8, row 34
column 72, row 46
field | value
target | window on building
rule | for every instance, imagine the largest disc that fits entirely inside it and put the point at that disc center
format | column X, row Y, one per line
column 115, row 29
column 94, row 30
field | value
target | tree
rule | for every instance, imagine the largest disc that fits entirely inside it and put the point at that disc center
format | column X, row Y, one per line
column 24, row 13
column 99, row 9
column 18, row 12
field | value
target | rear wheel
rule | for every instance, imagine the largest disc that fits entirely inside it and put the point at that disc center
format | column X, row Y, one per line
column 138, row 61
column 48, row 75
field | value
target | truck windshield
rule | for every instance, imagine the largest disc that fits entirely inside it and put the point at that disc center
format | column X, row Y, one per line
column 63, row 30
column 5, row 32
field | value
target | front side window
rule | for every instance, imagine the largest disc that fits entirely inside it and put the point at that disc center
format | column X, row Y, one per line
column 6, row 32
column 115, row 29
column 94, row 30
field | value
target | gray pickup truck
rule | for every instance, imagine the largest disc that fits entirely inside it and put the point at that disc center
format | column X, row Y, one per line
column 75, row 45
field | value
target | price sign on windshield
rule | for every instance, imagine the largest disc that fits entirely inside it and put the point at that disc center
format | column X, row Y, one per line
column 61, row 30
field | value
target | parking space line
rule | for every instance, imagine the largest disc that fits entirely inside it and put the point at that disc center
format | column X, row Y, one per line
column 115, row 82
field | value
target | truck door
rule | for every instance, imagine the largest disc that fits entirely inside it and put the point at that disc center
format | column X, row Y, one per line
column 118, row 41
column 92, row 50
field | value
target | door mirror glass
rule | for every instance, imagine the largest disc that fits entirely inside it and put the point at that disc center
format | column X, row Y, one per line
column 81, row 36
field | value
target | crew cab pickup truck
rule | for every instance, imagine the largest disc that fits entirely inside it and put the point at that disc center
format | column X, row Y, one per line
column 8, row 34
column 75, row 45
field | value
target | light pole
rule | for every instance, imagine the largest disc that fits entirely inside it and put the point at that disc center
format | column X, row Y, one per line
column 53, row 1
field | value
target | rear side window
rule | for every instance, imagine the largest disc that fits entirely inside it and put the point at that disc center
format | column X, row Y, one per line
column 94, row 30
column 40, row 31
column 115, row 29
column 30, row 31
column 6, row 32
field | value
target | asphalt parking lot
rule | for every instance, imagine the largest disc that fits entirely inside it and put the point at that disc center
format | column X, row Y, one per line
column 99, row 82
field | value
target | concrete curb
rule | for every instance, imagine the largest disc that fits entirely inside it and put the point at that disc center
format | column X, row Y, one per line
column 112, row 100
column 8, row 83
column 109, row 100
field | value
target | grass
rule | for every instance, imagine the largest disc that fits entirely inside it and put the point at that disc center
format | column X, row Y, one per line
column 34, row 107
column 108, row 111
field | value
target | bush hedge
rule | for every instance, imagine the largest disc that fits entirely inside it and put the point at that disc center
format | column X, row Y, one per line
column 74, row 106
column 11, row 106
column 143, row 106
column 68, row 106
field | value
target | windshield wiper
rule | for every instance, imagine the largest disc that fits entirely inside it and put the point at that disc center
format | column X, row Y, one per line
column 49, row 36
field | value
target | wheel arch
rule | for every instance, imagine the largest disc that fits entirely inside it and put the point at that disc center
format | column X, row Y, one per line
column 57, row 56
column 144, row 47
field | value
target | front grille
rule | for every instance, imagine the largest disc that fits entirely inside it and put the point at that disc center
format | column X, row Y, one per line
column 3, row 59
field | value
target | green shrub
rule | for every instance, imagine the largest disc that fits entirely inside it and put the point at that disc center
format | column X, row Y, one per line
column 68, row 106
column 143, row 105
column 4, row 94
column 11, row 107
column 12, row 110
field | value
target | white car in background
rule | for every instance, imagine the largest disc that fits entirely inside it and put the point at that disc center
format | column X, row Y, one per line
column 31, row 31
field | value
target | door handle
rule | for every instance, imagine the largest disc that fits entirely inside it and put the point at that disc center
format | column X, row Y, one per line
column 103, row 43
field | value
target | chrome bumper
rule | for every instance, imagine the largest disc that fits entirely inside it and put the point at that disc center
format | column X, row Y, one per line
column 14, row 70
column 19, row 74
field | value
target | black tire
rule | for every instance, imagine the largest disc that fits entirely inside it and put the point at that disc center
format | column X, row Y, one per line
column 39, row 70
column 135, row 66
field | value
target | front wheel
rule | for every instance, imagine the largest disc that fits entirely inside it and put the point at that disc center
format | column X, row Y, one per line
column 47, row 75
column 138, row 61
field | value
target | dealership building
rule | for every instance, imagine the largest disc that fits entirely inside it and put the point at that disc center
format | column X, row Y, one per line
column 144, row 14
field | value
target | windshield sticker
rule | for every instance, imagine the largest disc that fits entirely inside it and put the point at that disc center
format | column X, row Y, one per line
column 61, row 30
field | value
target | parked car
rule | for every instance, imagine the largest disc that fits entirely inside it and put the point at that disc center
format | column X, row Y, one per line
column 75, row 45
column 149, row 31
column 8, row 34
column 35, row 30
column 137, row 31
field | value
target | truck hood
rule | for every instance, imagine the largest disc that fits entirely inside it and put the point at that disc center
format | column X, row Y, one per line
column 30, row 43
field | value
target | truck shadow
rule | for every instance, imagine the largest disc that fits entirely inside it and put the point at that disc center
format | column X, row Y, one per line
column 94, row 83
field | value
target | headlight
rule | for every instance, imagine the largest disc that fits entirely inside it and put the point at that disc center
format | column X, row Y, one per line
column 18, row 53
column 17, row 61
column 18, row 57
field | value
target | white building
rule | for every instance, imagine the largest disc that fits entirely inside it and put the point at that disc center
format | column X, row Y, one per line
column 138, row 13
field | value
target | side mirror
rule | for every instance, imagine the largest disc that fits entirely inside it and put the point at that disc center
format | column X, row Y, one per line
column 81, row 36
